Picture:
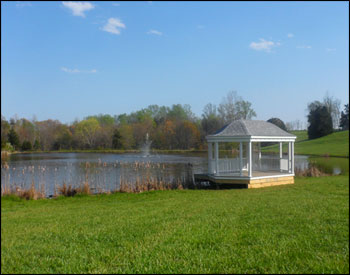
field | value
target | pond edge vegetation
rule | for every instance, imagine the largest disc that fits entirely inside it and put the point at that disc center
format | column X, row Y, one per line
column 142, row 184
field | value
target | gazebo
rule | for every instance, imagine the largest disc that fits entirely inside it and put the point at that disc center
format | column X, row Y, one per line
column 247, row 166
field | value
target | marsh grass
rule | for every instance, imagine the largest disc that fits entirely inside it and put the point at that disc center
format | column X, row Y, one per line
column 30, row 193
column 311, row 171
column 69, row 191
column 149, row 184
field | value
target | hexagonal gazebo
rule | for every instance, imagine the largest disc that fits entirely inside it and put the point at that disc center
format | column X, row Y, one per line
column 249, row 167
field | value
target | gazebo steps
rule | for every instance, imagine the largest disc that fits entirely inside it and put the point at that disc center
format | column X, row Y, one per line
column 245, row 182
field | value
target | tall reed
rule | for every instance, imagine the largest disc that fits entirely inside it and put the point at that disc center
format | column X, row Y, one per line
column 30, row 193
column 311, row 171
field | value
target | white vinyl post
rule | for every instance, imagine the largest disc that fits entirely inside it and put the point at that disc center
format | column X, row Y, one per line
column 241, row 159
column 247, row 155
column 289, row 156
column 259, row 147
column 210, row 157
column 281, row 155
column 250, row 166
column 217, row 158
column 292, row 153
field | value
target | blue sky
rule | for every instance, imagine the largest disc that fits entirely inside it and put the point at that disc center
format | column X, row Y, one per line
column 65, row 60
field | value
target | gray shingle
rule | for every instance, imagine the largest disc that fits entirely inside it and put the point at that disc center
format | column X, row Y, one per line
column 252, row 128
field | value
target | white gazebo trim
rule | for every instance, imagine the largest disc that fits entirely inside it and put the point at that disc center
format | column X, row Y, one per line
column 248, row 138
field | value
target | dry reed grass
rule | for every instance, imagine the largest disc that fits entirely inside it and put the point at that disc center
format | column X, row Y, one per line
column 69, row 191
column 144, row 184
column 312, row 171
column 4, row 155
column 30, row 193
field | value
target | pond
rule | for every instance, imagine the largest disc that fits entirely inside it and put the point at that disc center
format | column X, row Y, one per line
column 106, row 171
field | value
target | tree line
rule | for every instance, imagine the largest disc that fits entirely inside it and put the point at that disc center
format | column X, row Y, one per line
column 169, row 128
column 174, row 127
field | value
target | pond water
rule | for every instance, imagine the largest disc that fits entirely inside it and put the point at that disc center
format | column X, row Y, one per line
column 105, row 171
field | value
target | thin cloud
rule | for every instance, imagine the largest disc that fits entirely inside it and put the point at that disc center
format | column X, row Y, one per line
column 264, row 45
column 304, row 47
column 155, row 32
column 330, row 50
column 76, row 71
column 22, row 4
column 113, row 26
column 116, row 4
column 290, row 35
column 200, row 27
column 78, row 8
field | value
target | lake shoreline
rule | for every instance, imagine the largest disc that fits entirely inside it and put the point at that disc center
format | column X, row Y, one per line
column 179, row 151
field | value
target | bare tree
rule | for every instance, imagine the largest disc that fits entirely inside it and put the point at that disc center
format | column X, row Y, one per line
column 295, row 125
column 233, row 107
column 333, row 106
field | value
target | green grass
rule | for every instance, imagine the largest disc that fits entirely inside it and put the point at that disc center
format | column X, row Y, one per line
column 301, row 135
column 300, row 228
column 334, row 145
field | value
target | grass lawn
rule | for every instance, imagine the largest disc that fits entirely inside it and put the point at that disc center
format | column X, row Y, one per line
column 300, row 228
column 336, row 144
column 301, row 135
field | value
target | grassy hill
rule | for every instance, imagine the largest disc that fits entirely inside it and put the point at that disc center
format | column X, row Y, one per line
column 335, row 144
column 301, row 228
column 301, row 135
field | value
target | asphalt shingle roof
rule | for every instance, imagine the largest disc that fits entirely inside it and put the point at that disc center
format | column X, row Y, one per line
column 252, row 128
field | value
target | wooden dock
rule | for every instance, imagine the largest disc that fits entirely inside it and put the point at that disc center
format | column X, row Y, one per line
column 260, row 179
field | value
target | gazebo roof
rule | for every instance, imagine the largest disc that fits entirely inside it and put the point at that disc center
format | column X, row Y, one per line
column 251, row 128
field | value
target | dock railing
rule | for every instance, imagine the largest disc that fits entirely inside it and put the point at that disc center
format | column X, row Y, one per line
column 265, row 163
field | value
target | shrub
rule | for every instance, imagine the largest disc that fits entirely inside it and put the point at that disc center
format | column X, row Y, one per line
column 26, row 145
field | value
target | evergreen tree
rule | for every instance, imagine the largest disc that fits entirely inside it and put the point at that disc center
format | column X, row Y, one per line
column 320, row 122
column 116, row 140
column 278, row 122
column 344, row 119
column 36, row 145
column 26, row 145
column 13, row 138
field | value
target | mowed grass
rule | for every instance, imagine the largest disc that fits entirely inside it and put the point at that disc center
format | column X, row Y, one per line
column 335, row 144
column 300, row 228
column 301, row 135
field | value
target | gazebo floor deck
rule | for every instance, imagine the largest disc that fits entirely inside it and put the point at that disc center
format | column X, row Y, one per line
column 259, row 179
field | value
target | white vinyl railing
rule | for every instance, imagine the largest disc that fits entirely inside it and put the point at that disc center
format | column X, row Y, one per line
column 270, row 163
column 228, row 165
column 265, row 163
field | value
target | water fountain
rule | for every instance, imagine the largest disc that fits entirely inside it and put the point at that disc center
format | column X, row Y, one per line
column 146, row 147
